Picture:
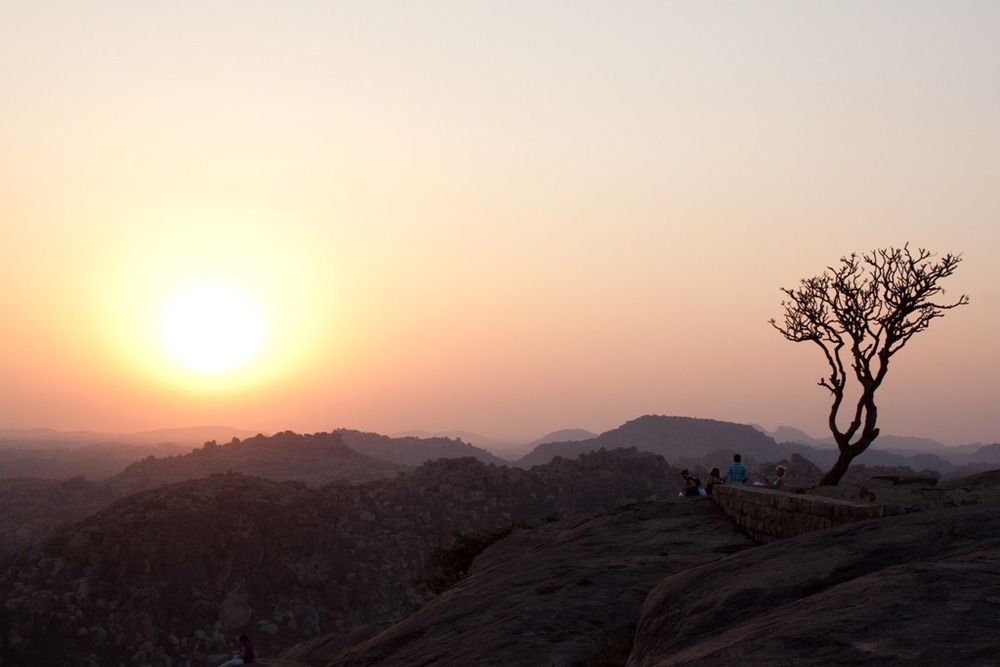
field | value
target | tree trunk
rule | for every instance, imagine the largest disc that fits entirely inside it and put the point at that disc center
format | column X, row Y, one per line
column 832, row 477
column 849, row 452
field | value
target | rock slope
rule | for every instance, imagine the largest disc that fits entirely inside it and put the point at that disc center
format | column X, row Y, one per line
column 916, row 589
column 33, row 510
column 560, row 595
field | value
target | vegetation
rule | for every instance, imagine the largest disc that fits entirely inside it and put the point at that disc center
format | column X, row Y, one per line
column 861, row 313
column 450, row 565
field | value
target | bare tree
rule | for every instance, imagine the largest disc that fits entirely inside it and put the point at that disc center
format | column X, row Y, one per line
column 861, row 313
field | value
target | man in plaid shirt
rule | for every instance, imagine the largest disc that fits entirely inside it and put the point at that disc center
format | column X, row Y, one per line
column 737, row 473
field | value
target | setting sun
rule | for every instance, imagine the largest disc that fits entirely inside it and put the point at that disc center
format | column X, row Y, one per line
column 212, row 327
column 210, row 298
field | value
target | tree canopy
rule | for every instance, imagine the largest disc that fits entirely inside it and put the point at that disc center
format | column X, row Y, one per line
column 860, row 313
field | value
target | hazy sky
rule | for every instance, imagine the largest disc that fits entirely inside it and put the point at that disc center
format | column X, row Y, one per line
column 501, row 217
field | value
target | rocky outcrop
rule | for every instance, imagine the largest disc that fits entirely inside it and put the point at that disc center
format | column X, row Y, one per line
column 34, row 510
column 915, row 589
column 563, row 594
column 918, row 589
column 173, row 573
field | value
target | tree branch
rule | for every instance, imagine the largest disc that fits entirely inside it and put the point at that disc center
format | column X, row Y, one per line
column 866, row 309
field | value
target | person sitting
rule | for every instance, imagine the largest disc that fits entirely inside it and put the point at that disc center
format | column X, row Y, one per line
column 737, row 472
column 692, row 485
column 778, row 481
column 245, row 656
column 714, row 477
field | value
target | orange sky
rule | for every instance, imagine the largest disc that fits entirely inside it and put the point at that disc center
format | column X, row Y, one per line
column 501, row 218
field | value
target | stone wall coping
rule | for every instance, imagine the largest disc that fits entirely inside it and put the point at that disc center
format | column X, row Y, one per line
column 766, row 514
column 744, row 488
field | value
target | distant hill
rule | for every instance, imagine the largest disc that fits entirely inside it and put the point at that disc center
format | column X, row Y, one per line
column 894, row 450
column 314, row 459
column 704, row 443
column 45, row 453
column 824, row 458
column 671, row 437
column 496, row 446
column 564, row 435
column 515, row 452
column 60, row 460
column 412, row 450
column 987, row 453
column 193, row 435
column 789, row 434
column 902, row 444
column 973, row 454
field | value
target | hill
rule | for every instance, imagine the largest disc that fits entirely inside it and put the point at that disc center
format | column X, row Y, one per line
column 49, row 454
column 673, row 438
column 171, row 572
column 32, row 510
column 43, row 459
column 563, row 435
column 413, row 450
column 899, row 450
column 700, row 444
column 314, row 459
column 192, row 435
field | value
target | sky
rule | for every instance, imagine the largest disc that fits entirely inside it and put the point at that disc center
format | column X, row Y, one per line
column 503, row 218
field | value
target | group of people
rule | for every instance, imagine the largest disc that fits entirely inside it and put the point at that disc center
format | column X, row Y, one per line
column 737, row 473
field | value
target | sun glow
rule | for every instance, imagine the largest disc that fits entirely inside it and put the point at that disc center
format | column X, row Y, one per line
column 218, row 302
column 212, row 327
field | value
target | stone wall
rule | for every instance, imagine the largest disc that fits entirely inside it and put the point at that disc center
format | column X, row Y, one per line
column 902, row 498
column 766, row 515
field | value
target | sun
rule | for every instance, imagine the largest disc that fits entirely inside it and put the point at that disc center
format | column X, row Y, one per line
column 213, row 299
column 212, row 327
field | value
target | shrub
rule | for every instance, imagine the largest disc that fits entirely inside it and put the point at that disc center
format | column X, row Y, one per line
column 450, row 565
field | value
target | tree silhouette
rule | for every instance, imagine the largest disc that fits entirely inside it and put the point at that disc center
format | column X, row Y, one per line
column 861, row 313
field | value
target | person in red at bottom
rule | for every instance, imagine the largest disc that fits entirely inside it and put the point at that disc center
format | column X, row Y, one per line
column 245, row 656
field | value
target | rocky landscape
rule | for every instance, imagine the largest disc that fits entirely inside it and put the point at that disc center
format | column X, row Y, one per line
column 35, row 509
column 328, row 549
column 670, row 583
column 165, row 576
column 565, row 593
